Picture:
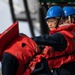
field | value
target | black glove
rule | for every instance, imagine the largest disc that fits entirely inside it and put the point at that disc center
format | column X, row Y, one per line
column 42, row 68
column 41, row 47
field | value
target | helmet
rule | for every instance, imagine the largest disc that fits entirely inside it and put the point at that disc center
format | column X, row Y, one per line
column 68, row 11
column 54, row 11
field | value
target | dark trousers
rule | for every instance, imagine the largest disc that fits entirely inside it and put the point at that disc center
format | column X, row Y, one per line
column 66, row 69
column 9, row 64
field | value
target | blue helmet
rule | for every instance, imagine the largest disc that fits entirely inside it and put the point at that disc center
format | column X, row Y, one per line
column 55, row 11
column 68, row 10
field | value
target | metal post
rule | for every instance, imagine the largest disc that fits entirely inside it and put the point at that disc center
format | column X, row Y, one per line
column 12, row 10
column 29, row 18
column 43, row 25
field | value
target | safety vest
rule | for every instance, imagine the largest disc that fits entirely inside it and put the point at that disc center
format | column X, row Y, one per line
column 24, row 49
column 58, row 58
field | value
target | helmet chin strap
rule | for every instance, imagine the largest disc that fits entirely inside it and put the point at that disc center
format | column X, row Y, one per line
column 69, row 18
column 58, row 22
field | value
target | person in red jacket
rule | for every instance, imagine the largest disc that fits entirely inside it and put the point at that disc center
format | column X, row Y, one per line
column 60, row 44
column 18, row 55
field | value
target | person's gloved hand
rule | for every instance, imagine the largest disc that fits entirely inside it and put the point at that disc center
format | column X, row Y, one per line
column 41, row 47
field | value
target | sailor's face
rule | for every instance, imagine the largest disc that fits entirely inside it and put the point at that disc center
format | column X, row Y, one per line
column 52, row 23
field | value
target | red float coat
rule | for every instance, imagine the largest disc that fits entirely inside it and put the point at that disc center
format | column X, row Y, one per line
column 23, row 48
column 58, row 58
